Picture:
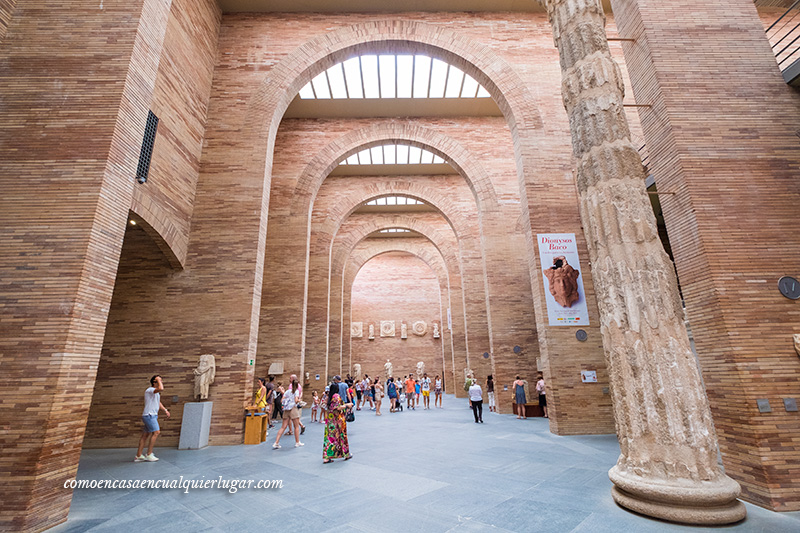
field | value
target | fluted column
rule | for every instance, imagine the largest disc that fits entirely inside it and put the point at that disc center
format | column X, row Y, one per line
column 668, row 462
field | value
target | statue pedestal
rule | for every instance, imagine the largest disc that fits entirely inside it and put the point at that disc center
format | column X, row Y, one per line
column 195, row 425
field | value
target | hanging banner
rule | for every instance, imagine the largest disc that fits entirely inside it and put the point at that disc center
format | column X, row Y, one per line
column 563, row 282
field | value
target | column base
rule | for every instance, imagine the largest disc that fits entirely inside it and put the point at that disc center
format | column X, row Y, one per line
column 701, row 503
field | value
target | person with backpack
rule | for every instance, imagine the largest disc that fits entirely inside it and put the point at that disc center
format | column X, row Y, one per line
column 391, row 389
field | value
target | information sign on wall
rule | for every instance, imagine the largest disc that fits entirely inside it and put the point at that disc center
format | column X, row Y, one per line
column 561, row 274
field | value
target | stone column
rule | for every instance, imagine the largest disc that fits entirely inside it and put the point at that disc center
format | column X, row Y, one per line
column 668, row 462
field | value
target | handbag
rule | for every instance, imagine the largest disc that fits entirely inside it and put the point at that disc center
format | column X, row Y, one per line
column 350, row 417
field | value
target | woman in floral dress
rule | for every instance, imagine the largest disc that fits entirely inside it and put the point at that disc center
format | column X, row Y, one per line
column 334, row 445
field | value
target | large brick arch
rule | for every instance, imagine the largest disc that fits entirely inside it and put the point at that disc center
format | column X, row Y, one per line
column 287, row 77
column 384, row 132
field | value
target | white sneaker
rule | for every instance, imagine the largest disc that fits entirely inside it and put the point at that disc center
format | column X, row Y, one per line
column 151, row 458
column 139, row 458
column 276, row 446
column 297, row 445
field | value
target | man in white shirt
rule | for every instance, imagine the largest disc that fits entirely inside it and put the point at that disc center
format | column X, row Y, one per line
column 476, row 401
column 151, row 431
column 426, row 391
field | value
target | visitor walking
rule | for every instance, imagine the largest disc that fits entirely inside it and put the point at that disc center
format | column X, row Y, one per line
column 437, row 391
column 277, row 410
column 260, row 399
column 291, row 415
column 359, row 393
column 476, row 401
column 270, row 399
column 391, row 389
column 314, row 406
column 410, row 392
column 377, row 388
column 426, row 391
column 298, row 400
column 519, row 397
column 540, row 390
column 151, row 430
column 334, row 444
column 490, row 393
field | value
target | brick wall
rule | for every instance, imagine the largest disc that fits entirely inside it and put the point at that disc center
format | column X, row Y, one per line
column 69, row 143
column 6, row 11
column 723, row 145
column 150, row 267
column 180, row 100
column 400, row 287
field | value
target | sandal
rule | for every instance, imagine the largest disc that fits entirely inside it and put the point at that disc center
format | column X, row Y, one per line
column 348, row 457
column 327, row 462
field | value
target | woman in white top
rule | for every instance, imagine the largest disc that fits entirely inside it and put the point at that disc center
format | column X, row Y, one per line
column 437, row 392
column 476, row 401
column 290, row 414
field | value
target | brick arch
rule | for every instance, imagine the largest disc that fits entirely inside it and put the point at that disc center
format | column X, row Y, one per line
column 336, row 214
column 438, row 264
column 383, row 132
column 344, row 244
column 287, row 77
column 434, row 261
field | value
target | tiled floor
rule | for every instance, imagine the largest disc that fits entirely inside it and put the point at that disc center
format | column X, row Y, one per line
column 421, row 470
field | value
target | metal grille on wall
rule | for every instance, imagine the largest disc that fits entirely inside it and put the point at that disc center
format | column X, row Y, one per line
column 147, row 147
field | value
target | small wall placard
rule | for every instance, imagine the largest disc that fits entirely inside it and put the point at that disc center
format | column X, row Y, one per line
column 589, row 376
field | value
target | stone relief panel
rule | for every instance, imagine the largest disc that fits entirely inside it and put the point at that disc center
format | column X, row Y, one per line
column 419, row 328
column 387, row 328
column 357, row 329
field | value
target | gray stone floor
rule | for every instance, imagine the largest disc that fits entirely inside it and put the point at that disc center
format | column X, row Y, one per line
column 421, row 470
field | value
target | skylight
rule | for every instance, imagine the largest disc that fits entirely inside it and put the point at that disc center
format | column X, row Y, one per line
column 394, row 200
column 393, row 154
column 395, row 230
column 392, row 76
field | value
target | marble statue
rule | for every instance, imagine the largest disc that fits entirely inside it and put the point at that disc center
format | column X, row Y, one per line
column 371, row 332
column 435, row 330
column 403, row 330
column 204, row 376
column 469, row 378
column 420, row 369
column 796, row 338
column 357, row 372
column 387, row 368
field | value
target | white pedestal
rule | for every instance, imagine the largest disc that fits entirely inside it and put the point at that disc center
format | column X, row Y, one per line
column 195, row 425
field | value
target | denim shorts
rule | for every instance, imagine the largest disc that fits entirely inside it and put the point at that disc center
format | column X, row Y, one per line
column 150, row 423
